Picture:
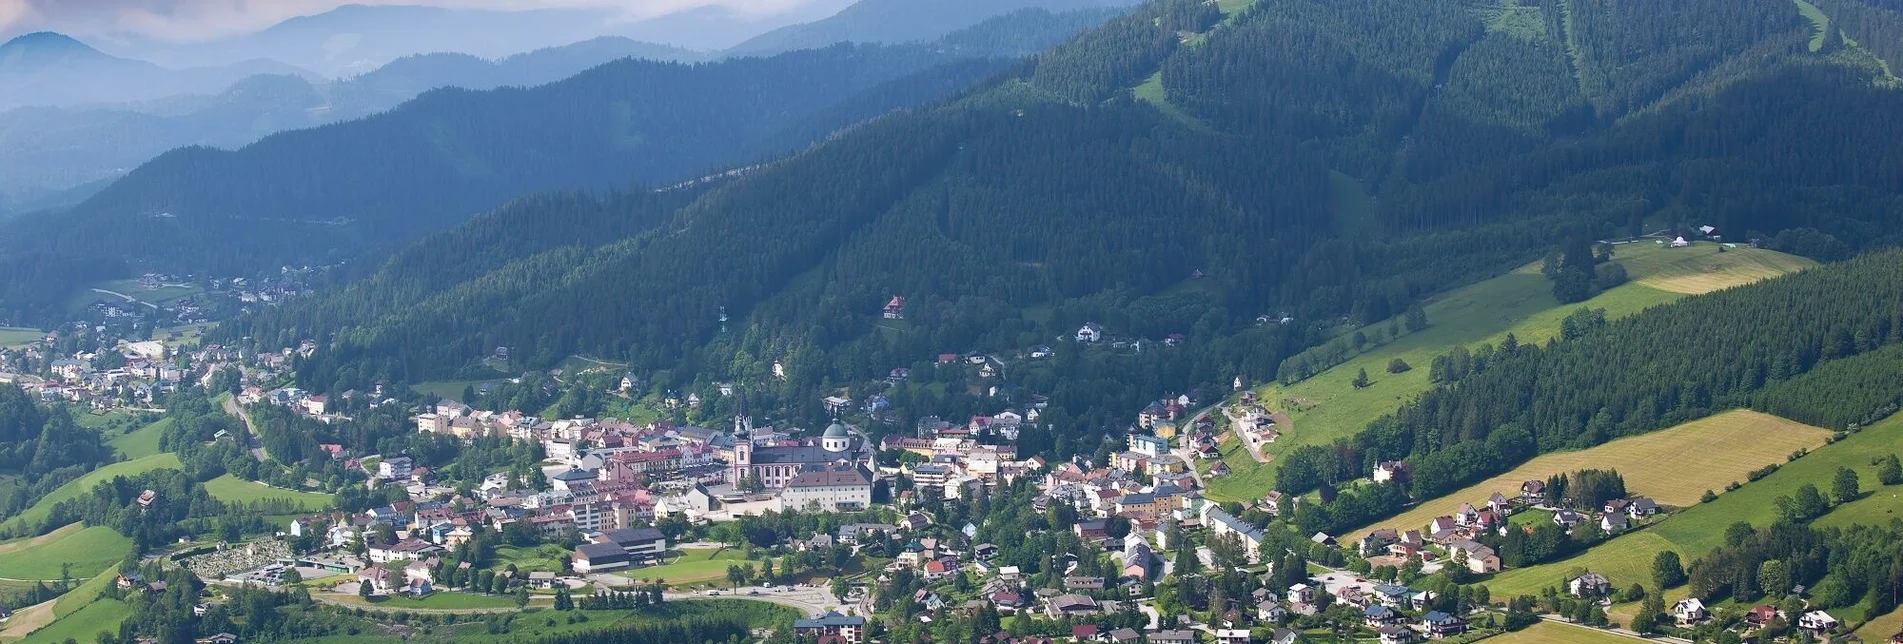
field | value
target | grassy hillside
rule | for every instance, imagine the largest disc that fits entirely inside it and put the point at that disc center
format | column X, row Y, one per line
column 99, row 616
column 1672, row 466
column 76, row 487
column 233, row 490
column 1695, row 531
column 16, row 336
column 1327, row 406
column 141, row 442
column 1555, row 633
column 86, row 550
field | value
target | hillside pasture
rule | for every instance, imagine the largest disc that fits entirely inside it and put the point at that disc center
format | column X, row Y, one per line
column 18, row 337
column 141, row 442
column 1696, row 530
column 87, row 551
column 1672, row 466
column 85, row 625
column 76, row 487
column 1327, row 406
column 1556, row 633
column 693, row 568
column 230, row 489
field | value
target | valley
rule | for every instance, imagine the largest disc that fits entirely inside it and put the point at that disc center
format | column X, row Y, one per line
column 1001, row 321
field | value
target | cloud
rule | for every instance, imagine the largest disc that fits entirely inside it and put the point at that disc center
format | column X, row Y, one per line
column 188, row 20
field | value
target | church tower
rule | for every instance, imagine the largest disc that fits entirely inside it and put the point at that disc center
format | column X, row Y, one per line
column 742, row 461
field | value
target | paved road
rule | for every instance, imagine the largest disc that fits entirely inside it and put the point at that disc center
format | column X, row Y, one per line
column 127, row 298
column 251, row 436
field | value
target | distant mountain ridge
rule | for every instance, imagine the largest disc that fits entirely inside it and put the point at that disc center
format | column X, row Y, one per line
column 900, row 21
column 374, row 182
column 46, row 68
column 45, row 151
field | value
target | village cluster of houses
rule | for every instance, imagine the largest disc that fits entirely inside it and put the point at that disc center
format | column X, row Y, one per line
column 1454, row 534
column 150, row 369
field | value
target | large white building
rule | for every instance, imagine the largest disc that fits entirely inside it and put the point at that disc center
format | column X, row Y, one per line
column 838, row 487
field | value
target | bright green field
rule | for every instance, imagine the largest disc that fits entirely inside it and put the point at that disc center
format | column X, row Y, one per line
column 88, row 551
column 1820, row 26
column 448, row 389
column 531, row 559
column 1696, row 530
column 85, row 625
column 142, row 442
column 76, row 487
column 1551, row 633
column 436, row 601
column 694, row 567
column 231, row 489
column 1327, row 406
column 159, row 296
column 84, row 595
column 16, row 336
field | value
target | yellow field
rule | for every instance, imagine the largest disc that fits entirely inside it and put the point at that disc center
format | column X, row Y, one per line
column 1881, row 628
column 1672, row 466
column 1701, row 269
column 1552, row 633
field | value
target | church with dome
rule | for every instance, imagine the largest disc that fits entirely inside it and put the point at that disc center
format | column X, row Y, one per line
column 775, row 466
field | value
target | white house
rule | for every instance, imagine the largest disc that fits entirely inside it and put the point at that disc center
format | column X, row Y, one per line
column 1689, row 611
column 1089, row 333
column 1817, row 622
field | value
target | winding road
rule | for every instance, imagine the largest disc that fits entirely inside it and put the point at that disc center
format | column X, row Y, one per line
column 250, row 435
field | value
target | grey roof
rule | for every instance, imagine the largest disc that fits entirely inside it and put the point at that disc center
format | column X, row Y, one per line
column 830, row 619
column 634, row 535
column 836, row 430
column 799, row 454
column 600, row 552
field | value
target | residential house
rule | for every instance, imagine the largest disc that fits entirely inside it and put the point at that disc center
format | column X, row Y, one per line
column 1378, row 615
column 1440, row 625
column 1689, row 611
column 1641, row 507
column 1613, row 523
column 1232, row 636
column 1533, row 491
column 1390, row 471
column 1591, row 584
column 1397, row 635
column 1816, row 622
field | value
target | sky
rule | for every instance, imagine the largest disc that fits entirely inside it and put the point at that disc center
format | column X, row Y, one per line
column 198, row 20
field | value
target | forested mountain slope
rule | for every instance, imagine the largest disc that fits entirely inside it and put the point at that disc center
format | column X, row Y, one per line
column 1052, row 198
column 53, row 69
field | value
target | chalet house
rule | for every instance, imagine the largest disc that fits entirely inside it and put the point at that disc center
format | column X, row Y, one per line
column 1232, row 636
column 1270, row 612
column 1591, row 584
column 1533, row 491
column 1083, row 583
column 1440, row 625
column 1816, row 622
column 1378, row 541
column 1761, row 615
column 895, row 308
column 1613, row 523
column 1566, row 519
column 1090, row 333
column 1389, row 471
column 1393, row 596
column 1397, row 635
column 1689, row 611
column 1641, row 507
column 1173, row 637
column 1499, row 505
column 1378, row 615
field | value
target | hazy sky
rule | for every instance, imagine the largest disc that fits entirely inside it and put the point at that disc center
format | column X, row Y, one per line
column 189, row 20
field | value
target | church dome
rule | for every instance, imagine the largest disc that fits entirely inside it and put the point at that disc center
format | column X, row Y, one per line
column 837, row 430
